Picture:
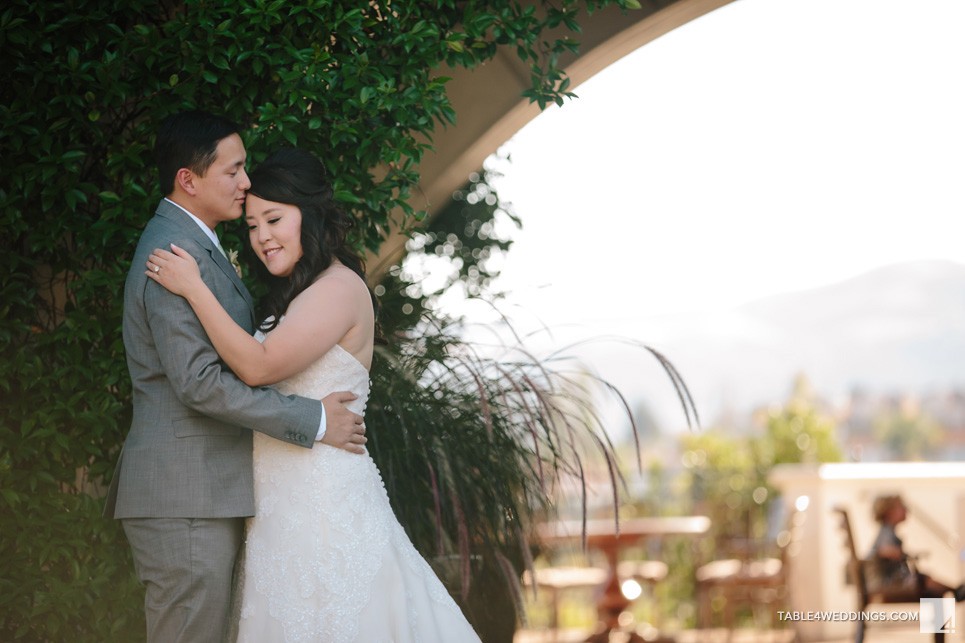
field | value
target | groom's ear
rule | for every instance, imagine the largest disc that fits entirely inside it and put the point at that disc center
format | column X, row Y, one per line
column 185, row 180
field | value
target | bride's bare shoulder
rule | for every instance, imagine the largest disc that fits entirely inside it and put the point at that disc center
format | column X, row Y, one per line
column 336, row 281
column 336, row 293
column 340, row 274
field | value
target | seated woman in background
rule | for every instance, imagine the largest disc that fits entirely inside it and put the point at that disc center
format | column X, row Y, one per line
column 890, row 569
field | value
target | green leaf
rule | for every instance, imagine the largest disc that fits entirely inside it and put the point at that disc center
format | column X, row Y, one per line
column 346, row 197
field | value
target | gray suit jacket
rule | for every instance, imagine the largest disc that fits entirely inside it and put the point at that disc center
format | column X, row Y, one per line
column 188, row 452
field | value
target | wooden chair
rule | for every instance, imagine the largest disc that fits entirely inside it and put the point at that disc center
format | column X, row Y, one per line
column 646, row 572
column 857, row 574
column 555, row 580
column 756, row 583
column 745, row 581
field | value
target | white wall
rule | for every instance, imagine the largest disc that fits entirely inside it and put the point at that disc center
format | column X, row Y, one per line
column 935, row 493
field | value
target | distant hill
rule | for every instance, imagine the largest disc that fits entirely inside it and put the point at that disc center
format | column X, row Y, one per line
column 902, row 326
column 897, row 328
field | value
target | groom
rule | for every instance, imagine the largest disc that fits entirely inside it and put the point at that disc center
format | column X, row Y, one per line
column 184, row 481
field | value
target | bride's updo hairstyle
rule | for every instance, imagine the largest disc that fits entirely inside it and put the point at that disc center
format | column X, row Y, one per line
column 298, row 178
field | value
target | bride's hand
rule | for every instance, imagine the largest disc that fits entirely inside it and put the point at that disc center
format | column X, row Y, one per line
column 177, row 271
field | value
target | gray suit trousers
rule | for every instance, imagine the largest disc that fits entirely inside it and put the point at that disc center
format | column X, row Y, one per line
column 186, row 566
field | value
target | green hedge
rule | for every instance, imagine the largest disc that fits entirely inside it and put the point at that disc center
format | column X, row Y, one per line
column 84, row 84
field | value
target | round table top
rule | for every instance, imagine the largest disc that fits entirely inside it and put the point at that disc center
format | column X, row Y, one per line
column 602, row 531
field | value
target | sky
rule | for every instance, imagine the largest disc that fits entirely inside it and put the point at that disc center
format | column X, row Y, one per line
column 770, row 146
column 766, row 147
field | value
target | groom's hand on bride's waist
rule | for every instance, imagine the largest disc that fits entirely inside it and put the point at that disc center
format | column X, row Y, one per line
column 343, row 428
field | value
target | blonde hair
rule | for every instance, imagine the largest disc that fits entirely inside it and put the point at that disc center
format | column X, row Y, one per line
column 882, row 505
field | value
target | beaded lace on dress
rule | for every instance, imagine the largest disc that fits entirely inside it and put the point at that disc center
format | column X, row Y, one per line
column 325, row 558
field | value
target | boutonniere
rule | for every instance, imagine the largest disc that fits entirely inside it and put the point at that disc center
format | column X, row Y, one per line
column 233, row 259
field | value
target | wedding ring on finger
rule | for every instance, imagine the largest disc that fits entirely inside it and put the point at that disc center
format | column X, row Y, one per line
column 157, row 269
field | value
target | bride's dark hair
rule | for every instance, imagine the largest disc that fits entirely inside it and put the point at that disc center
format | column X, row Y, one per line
column 298, row 178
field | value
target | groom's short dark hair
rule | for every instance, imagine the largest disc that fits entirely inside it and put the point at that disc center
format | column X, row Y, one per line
column 188, row 139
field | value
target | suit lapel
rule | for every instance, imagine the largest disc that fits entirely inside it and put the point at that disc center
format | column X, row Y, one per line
column 222, row 262
column 174, row 213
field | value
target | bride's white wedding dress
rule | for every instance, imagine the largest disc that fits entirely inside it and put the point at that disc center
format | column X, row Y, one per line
column 326, row 560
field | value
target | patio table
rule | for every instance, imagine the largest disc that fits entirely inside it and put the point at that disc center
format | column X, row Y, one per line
column 609, row 538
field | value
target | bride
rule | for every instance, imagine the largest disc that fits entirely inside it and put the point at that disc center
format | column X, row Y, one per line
column 325, row 557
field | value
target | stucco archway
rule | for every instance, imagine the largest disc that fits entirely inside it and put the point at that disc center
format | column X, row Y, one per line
column 490, row 108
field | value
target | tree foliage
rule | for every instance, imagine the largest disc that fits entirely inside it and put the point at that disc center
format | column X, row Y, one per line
column 908, row 432
column 799, row 431
column 84, row 84
column 728, row 473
